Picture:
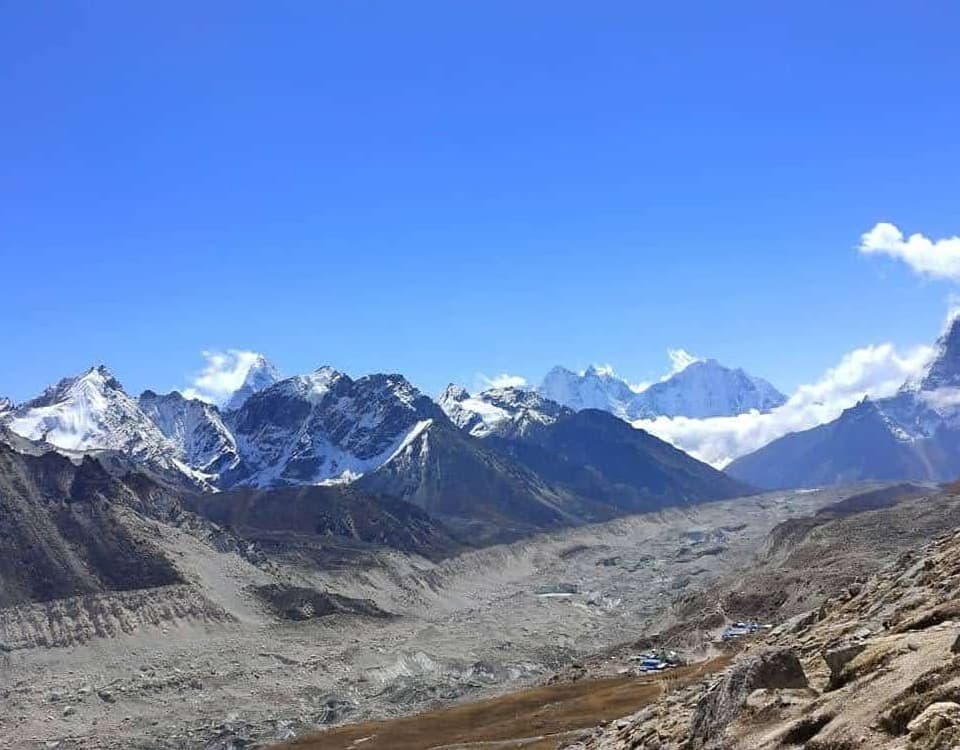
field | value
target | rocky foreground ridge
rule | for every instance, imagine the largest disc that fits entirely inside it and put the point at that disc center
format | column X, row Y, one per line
column 876, row 667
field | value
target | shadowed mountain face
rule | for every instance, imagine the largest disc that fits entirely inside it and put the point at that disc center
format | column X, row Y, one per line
column 573, row 468
column 343, row 512
column 856, row 447
column 62, row 531
column 468, row 484
column 914, row 435
column 617, row 468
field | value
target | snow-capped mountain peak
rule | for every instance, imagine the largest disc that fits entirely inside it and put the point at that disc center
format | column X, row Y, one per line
column 703, row 389
column 90, row 412
column 699, row 388
column 453, row 393
column 93, row 383
column 471, row 414
column 944, row 370
column 505, row 412
column 262, row 374
column 312, row 387
column 596, row 388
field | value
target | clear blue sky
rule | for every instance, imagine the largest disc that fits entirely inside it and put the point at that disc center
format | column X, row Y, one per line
column 449, row 188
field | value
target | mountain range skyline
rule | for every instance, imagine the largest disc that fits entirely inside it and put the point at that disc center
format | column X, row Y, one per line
column 714, row 413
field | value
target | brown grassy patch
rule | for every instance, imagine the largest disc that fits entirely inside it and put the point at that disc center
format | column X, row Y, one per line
column 532, row 719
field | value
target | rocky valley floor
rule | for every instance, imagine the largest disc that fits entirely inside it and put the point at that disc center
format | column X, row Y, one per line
column 237, row 656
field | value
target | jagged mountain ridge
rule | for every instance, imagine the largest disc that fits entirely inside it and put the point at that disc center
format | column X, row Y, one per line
column 702, row 389
column 63, row 532
column 325, row 427
column 505, row 412
column 381, row 433
column 196, row 429
column 913, row 435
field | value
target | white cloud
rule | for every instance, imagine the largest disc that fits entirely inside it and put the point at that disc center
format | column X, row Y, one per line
column 935, row 258
column 874, row 371
column 503, row 380
column 222, row 376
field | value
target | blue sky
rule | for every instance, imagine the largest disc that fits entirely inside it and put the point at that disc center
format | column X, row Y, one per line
column 444, row 189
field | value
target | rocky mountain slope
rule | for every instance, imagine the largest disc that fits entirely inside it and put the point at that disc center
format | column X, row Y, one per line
column 196, row 429
column 289, row 515
column 483, row 493
column 274, row 637
column 64, row 531
column 914, row 435
column 874, row 665
column 595, row 455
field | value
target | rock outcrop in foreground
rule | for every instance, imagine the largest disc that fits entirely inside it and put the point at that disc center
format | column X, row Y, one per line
column 873, row 668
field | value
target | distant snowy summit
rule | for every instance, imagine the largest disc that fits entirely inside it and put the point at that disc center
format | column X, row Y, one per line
column 594, row 388
column 261, row 375
column 702, row 389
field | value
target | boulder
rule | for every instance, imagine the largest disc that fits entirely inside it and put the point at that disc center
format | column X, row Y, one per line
column 772, row 669
column 937, row 727
column 801, row 622
column 838, row 657
column 955, row 648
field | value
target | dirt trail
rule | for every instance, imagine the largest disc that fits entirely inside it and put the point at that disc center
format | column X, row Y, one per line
column 534, row 719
